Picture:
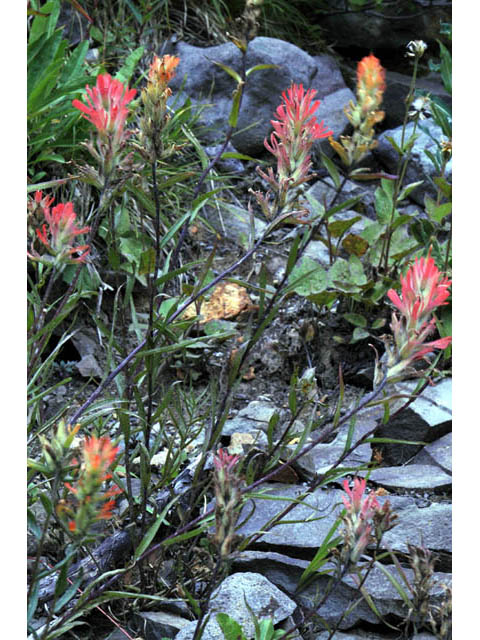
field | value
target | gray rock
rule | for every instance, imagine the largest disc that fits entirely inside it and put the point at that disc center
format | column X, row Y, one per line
column 323, row 456
column 332, row 111
column 250, row 419
column 228, row 165
column 411, row 476
column 155, row 625
column 88, row 367
column 430, row 527
column 264, row 598
column 322, row 503
column 434, row 404
column 439, row 452
column 234, row 222
column 207, row 84
column 398, row 86
column 420, row 167
column 285, row 572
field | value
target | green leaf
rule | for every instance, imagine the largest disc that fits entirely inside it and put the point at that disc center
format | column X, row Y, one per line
column 355, row 245
column 308, row 278
column 321, row 555
column 234, row 111
column 444, row 186
column 125, row 73
column 331, row 167
column 356, row 319
column 400, row 590
column 231, row 72
column 359, row 334
column 259, row 67
column 152, row 532
column 74, row 65
column 408, row 189
column 147, row 261
column 230, row 628
column 338, row 227
column 446, row 67
column 68, row 594
column 383, row 205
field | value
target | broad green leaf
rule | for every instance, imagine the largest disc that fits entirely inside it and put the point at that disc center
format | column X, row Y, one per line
column 359, row 334
column 355, row 245
column 408, row 189
column 356, row 319
column 125, row 73
column 230, row 628
column 308, row 278
column 383, row 205
column 338, row 227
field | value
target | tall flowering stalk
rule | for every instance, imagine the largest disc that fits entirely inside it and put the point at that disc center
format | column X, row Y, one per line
column 93, row 503
column 105, row 106
column 295, row 130
column 227, row 499
column 363, row 115
column 58, row 234
column 154, row 98
column 423, row 290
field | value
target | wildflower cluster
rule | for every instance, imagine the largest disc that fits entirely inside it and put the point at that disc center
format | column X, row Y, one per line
column 57, row 235
column 106, row 108
column 295, row 130
column 154, row 98
column 227, row 499
column 423, row 290
column 92, row 504
column 365, row 114
column 364, row 520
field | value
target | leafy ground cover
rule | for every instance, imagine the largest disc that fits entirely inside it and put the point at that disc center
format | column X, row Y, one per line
column 188, row 324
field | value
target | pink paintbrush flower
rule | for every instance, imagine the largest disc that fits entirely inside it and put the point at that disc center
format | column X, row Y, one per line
column 423, row 290
column 106, row 107
column 358, row 520
column 295, row 130
column 58, row 236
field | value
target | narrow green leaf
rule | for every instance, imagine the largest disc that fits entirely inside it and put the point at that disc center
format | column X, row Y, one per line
column 125, row 73
column 331, row 167
column 259, row 67
column 234, row 111
column 152, row 531
column 231, row 72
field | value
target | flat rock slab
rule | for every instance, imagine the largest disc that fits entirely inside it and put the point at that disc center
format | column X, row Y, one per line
column 250, row 419
column 310, row 521
column 155, row 625
column 439, row 452
column 429, row 526
column 263, row 597
column 410, row 476
column 435, row 403
column 323, row 456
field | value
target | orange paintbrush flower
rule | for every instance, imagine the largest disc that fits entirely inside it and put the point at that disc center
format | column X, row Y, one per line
column 162, row 69
column 93, row 503
column 370, row 83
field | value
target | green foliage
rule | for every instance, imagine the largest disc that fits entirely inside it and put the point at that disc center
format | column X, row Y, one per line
column 55, row 76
